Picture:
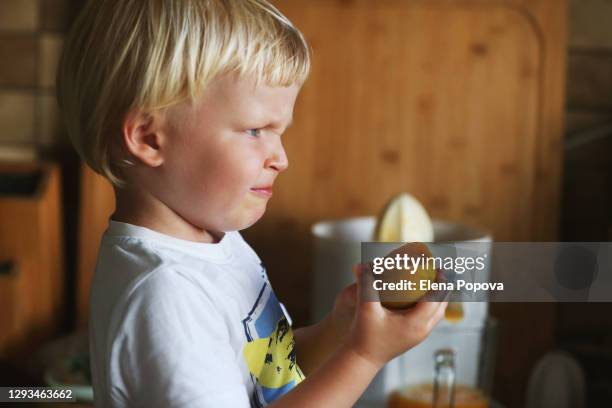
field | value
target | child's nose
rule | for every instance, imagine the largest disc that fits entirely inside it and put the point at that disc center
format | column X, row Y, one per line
column 278, row 158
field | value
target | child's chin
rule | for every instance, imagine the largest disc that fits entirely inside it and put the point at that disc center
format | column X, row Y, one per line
column 249, row 221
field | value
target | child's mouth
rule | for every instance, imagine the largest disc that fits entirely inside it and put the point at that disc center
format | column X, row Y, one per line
column 263, row 191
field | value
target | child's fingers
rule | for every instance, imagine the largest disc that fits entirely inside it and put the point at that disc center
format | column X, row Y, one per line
column 356, row 271
column 349, row 295
column 441, row 310
column 365, row 288
column 440, row 313
column 426, row 311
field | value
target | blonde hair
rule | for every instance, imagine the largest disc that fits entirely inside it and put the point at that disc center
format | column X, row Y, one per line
column 149, row 55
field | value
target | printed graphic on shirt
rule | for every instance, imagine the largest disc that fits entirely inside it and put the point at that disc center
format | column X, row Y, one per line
column 270, row 351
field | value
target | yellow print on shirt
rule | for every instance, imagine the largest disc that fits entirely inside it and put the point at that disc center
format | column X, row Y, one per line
column 272, row 359
column 270, row 352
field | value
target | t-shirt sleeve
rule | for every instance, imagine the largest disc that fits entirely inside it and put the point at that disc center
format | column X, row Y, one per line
column 173, row 348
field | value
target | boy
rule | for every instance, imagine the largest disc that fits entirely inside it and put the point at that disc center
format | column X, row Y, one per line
column 181, row 105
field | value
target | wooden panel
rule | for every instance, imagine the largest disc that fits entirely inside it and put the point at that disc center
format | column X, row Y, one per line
column 414, row 102
column 50, row 221
column 97, row 204
column 32, row 238
column 8, row 302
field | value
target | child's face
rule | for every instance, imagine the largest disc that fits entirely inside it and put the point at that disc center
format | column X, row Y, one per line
column 224, row 153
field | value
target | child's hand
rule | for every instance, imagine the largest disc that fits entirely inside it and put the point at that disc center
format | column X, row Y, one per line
column 343, row 313
column 368, row 335
column 379, row 334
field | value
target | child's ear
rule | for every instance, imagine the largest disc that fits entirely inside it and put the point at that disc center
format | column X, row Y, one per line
column 143, row 137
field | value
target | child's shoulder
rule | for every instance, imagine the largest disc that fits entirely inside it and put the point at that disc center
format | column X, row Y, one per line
column 134, row 258
column 126, row 284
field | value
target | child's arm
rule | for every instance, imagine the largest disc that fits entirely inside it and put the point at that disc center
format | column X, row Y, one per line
column 316, row 343
column 338, row 383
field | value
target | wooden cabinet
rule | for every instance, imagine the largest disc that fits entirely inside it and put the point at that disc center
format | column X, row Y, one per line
column 32, row 278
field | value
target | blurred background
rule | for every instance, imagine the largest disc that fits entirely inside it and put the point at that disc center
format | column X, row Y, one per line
column 494, row 113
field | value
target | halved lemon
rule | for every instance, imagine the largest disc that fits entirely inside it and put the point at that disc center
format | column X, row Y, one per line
column 403, row 220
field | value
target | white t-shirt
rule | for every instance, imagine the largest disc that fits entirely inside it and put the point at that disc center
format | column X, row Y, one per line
column 176, row 323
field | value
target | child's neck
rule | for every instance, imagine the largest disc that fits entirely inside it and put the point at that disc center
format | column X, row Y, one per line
column 140, row 208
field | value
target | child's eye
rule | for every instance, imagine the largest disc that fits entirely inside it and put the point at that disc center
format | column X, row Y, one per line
column 254, row 132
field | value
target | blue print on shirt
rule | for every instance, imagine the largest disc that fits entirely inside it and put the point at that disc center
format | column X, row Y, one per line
column 270, row 351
